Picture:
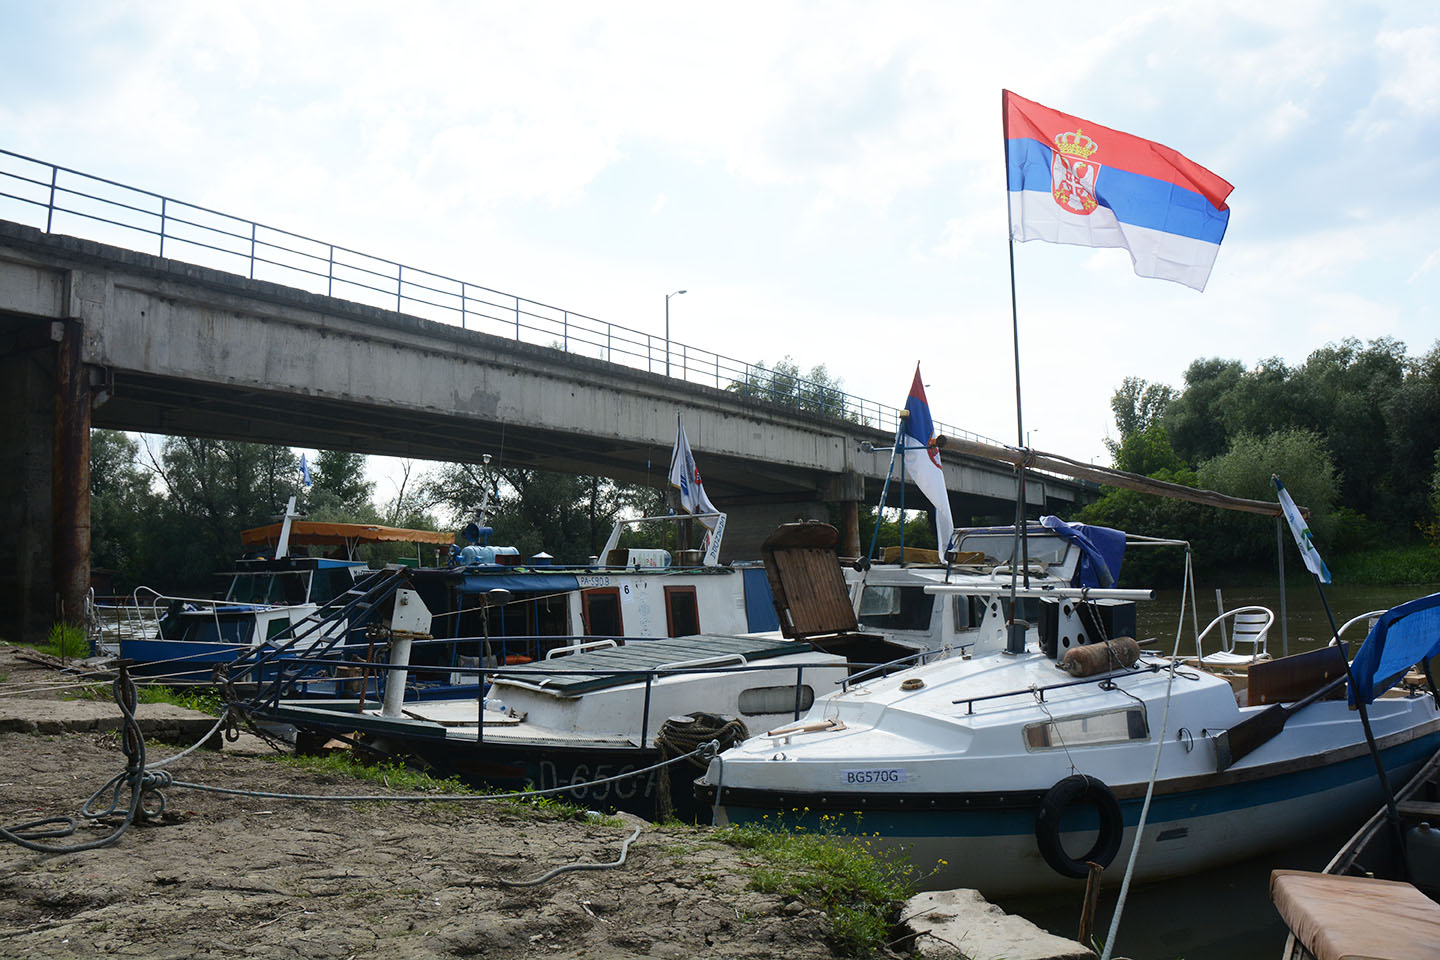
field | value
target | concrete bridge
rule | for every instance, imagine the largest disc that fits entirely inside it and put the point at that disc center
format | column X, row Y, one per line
column 95, row 335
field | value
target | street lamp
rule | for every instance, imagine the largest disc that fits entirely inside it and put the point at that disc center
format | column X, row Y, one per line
column 667, row 328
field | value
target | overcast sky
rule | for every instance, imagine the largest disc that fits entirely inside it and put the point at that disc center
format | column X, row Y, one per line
column 825, row 179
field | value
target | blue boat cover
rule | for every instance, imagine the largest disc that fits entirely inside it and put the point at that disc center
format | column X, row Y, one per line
column 1402, row 637
column 1101, row 550
column 520, row 582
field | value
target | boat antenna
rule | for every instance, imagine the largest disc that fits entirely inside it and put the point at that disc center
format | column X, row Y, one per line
column 1020, row 552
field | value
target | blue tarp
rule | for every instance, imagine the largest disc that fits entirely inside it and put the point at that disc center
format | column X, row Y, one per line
column 1101, row 550
column 520, row 582
column 1401, row 638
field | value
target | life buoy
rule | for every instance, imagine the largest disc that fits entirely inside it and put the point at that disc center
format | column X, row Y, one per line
column 1078, row 789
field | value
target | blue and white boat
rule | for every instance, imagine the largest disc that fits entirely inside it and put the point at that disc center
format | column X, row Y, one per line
column 998, row 771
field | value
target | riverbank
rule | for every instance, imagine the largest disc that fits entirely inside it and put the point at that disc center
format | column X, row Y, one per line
column 220, row 876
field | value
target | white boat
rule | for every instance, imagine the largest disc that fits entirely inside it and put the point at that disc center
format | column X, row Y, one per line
column 596, row 708
column 998, row 771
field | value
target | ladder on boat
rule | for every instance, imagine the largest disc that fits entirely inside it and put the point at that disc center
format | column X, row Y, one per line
column 307, row 648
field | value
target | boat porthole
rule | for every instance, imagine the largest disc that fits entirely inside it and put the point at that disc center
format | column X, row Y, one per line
column 1067, row 792
column 914, row 683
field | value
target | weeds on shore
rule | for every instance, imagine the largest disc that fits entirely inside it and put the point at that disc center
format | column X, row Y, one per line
column 203, row 699
column 396, row 775
column 67, row 641
column 861, row 890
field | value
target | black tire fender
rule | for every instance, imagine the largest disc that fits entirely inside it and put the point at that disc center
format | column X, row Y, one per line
column 1074, row 789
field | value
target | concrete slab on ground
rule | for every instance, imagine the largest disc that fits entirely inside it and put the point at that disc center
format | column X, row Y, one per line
column 162, row 722
column 951, row 924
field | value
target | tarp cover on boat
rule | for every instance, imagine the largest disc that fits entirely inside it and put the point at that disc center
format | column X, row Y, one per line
column 1101, row 550
column 1402, row 637
column 520, row 583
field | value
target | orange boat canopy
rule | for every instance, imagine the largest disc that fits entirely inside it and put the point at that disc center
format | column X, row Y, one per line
column 313, row 533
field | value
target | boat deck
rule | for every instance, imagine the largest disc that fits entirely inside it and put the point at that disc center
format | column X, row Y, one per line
column 591, row 670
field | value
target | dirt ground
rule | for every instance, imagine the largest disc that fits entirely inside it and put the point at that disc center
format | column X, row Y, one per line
column 220, row 876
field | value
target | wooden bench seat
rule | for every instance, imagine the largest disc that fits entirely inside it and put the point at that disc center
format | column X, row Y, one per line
column 1356, row 918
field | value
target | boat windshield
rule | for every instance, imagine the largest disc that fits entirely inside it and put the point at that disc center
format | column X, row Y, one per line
column 896, row 608
column 275, row 588
column 999, row 546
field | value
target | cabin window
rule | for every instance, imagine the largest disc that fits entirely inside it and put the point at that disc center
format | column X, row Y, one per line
column 999, row 546
column 601, row 609
column 896, row 608
column 758, row 701
column 329, row 583
column 682, row 611
column 1113, row 726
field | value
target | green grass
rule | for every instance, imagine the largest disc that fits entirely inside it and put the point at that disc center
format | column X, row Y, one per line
column 67, row 641
column 204, row 699
column 859, row 889
column 397, row 776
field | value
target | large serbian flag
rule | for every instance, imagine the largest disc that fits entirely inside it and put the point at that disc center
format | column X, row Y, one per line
column 1072, row 181
column 922, row 458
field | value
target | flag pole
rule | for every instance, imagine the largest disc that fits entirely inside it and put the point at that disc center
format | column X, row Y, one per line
column 1019, row 553
column 1302, row 537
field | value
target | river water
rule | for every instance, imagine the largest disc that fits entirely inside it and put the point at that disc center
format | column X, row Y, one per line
column 1222, row 914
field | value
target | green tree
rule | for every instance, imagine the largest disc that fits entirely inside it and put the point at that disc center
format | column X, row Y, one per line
column 1192, row 419
column 212, row 490
column 569, row 517
column 120, row 500
column 1300, row 459
column 1137, row 406
column 339, row 484
column 815, row 392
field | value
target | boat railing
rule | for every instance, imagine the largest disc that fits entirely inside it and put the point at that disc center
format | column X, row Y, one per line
column 1039, row 691
column 902, row 663
column 573, row 648
column 323, row 670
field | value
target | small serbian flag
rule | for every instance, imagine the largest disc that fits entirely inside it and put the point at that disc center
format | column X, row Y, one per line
column 1072, row 181
column 922, row 459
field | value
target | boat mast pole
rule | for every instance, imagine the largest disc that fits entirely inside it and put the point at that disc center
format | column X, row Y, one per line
column 1019, row 553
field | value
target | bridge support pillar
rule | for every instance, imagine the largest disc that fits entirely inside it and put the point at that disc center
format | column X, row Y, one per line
column 70, row 478
column 747, row 525
column 45, row 462
column 848, row 491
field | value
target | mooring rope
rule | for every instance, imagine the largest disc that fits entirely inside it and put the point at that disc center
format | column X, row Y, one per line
column 145, row 801
column 678, row 735
column 146, row 781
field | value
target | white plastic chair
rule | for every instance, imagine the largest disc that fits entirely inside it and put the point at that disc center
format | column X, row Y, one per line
column 1249, row 627
column 1368, row 617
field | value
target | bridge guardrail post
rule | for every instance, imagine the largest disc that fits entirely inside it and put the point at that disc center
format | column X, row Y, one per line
column 50, row 207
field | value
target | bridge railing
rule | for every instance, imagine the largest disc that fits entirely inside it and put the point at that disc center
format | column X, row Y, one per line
column 60, row 199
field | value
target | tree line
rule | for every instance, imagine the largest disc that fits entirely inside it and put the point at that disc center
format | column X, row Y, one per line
column 1353, row 432
column 168, row 512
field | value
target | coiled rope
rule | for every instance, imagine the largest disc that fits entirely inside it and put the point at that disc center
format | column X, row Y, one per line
column 678, row 739
column 145, row 801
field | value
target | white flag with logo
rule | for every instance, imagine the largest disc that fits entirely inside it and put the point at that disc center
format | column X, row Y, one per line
column 1301, row 531
column 685, row 477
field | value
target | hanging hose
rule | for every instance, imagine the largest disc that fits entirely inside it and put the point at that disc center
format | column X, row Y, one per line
column 681, row 736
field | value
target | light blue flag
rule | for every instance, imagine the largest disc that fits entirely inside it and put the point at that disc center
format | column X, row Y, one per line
column 304, row 470
column 1301, row 531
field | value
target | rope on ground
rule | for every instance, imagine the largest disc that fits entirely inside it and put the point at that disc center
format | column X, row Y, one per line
column 145, row 799
column 613, row 864
column 681, row 734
